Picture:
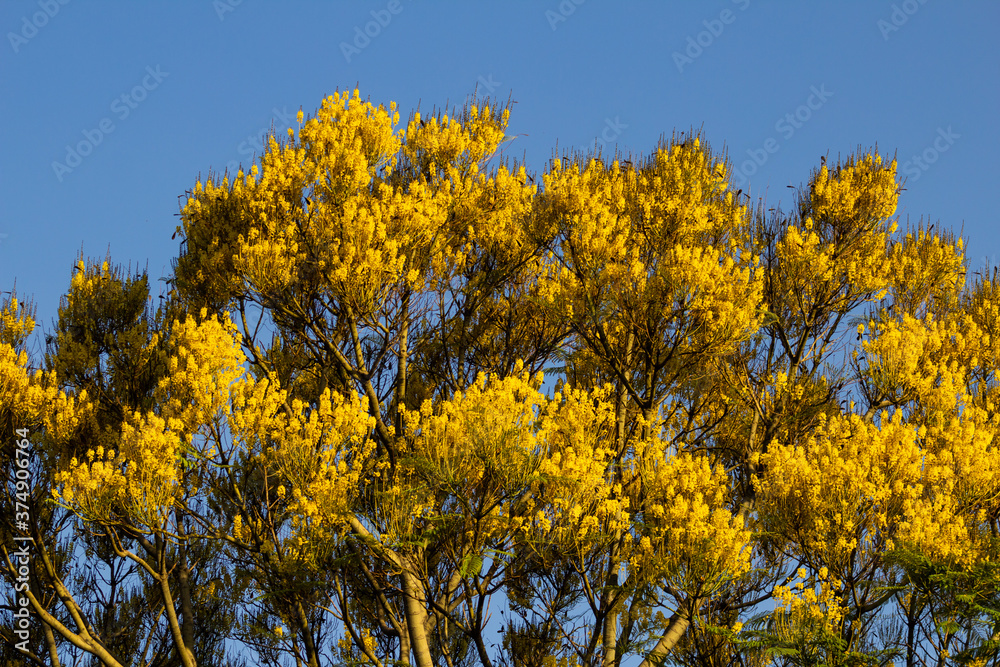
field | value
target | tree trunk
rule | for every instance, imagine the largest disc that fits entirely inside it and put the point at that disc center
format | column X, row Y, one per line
column 187, row 608
column 416, row 615
column 183, row 650
column 50, row 644
column 312, row 656
column 678, row 625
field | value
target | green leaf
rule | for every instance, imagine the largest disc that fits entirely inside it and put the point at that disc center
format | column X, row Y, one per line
column 769, row 317
column 472, row 565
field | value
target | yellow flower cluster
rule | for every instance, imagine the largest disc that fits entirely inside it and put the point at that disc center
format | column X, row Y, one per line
column 489, row 213
column 349, row 654
column 138, row 483
column 342, row 148
column 929, row 479
column 575, row 502
column 139, row 474
column 319, row 215
column 862, row 191
column 350, row 208
column 663, row 244
column 24, row 397
column 802, row 610
column 491, row 424
column 492, row 440
column 214, row 218
column 929, row 273
column 312, row 209
column 88, row 283
column 691, row 536
column 838, row 257
column 904, row 359
column 319, row 451
column 950, row 519
column 834, row 273
column 838, row 496
column 322, row 452
column 981, row 325
column 15, row 327
column 205, row 361
column 439, row 142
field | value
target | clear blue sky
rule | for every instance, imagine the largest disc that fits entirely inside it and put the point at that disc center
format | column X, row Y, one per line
column 157, row 94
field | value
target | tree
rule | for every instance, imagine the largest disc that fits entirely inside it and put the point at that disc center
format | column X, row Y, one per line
column 771, row 440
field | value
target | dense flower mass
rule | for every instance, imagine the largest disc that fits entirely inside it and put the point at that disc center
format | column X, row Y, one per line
column 398, row 383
